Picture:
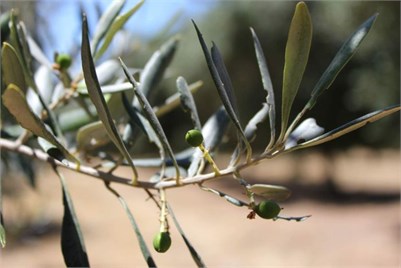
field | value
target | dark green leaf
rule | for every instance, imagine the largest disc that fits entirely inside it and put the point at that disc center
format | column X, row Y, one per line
column 267, row 85
column 296, row 57
column 151, row 117
column 350, row 126
column 142, row 244
column 225, row 93
column 72, row 243
column 187, row 102
column 195, row 255
column 98, row 100
column 345, row 53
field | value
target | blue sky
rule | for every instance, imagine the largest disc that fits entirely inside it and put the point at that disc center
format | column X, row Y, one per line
column 65, row 23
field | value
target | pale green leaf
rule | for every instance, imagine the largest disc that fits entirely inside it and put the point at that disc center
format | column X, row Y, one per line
column 2, row 236
column 13, row 72
column 274, row 192
column 92, row 136
column 98, row 100
column 346, row 128
column 188, row 102
column 296, row 58
column 118, row 23
column 15, row 101
column 105, row 22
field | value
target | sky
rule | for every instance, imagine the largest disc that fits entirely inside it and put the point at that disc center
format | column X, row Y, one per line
column 65, row 21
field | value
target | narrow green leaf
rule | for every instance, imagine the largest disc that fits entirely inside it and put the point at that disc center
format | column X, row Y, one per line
column 267, row 85
column 274, row 192
column 15, row 101
column 225, row 93
column 72, row 242
column 195, row 255
column 92, row 136
column 105, row 22
column 296, row 58
column 345, row 53
column 187, row 102
column 38, row 54
column 350, row 126
column 156, row 66
column 98, row 100
column 151, row 116
column 118, row 23
column 142, row 244
column 13, row 72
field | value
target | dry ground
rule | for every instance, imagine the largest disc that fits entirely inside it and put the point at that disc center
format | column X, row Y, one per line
column 353, row 198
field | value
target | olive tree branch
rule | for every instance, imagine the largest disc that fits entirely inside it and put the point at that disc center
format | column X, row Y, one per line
column 109, row 177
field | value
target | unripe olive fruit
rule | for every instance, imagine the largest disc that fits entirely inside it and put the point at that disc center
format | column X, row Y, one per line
column 64, row 60
column 162, row 242
column 194, row 137
column 267, row 209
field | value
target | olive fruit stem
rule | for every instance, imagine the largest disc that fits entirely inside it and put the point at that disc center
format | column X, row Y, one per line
column 163, row 211
column 209, row 158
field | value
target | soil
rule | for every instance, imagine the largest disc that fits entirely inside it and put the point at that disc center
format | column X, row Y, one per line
column 353, row 197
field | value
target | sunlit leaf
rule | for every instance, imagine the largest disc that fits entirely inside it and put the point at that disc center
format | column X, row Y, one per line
column 105, row 22
column 296, row 57
column 307, row 130
column 350, row 126
column 252, row 126
column 195, row 255
column 187, row 102
column 142, row 244
column 37, row 53
column 118, row 23
column 13, row 72
column 267, row 85
column 274, row 192
column 15, row 101
column 72, row 242
column 151, row 116
column 92, row 136
column 98, row 100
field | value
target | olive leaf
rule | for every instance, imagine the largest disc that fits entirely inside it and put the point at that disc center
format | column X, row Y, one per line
column 142, row 244
column 3, row 240
column 345, row 53
column 157, row 64
column 187, row 101
column 219, row 75
column 151, row 116
column 267, row 85
column 38, row 54
column 296, row 58
column 195, row 255
column 14, row 73
column 346, row 128
column 91, row 136
column 342, row 57
column 15, row 101
column 307, row 130
column 98, row 100
column 51, row 149
column 274, row 192
column 105, row 22
column 118, row 23
column 72, row 242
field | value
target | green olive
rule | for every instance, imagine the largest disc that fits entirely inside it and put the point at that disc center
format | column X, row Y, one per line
column 267, row 209
column 162, row 242
column 194, row 137
column 64, row 60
